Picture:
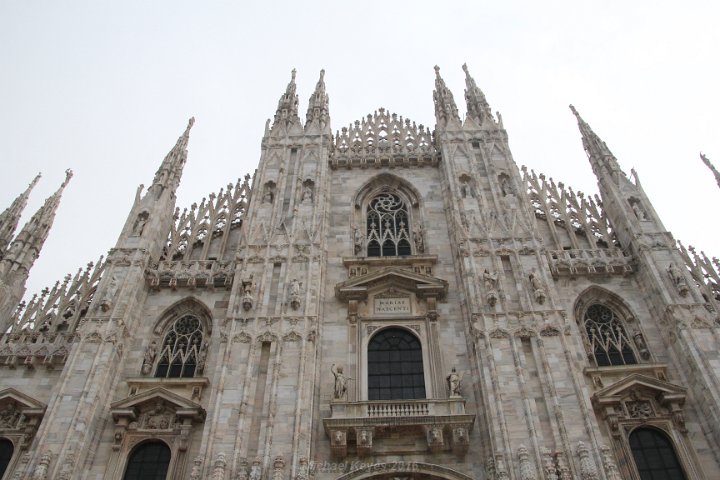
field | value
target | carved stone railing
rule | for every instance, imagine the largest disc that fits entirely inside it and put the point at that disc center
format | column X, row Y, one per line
column 190, row 274
column 33, row 349
column 443, row 423
column 601, row 261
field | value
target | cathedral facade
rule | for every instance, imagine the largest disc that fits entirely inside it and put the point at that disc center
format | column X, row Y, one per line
column 388, row 302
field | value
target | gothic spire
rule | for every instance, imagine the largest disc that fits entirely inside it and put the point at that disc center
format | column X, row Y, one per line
column 28, row 243
column 477, row 106
column 446, row 110
column 11, row 216
column 170, row 171
column 706, row 161
column 287, row 109
column 318, row 107
column 601, row 158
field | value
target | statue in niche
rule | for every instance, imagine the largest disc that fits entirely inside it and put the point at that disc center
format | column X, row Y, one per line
column 641, row 344
column 149, row 358
column 341, row 380
column 505, row 186
column 678, row 279
column 453, row 381
column 110, row 291
column 358, row 240
column 139, row 224
column 537, row 286
column 490, row 280
column 269, row 195
column 202, row 356
column 307, row 193
column 295, row 293
column 637, row 209
column 419, row 239
column 248, row 287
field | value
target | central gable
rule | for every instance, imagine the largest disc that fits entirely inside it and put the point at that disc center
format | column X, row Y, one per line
column 384, row 139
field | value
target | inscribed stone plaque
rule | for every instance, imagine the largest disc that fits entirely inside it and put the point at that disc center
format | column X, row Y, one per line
column 392, row 306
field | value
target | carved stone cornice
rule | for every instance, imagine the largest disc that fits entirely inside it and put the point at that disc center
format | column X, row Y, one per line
column 422, row 285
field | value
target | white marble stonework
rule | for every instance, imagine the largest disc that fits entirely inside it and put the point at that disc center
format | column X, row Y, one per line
column 390, row 300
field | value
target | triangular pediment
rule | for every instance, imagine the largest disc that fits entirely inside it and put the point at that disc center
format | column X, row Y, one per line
column 422, row 285
column 638, row 382
column 154, row 395
column 24, row 402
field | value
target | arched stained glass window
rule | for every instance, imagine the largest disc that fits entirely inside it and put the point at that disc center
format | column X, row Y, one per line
column 654, row 455
column 6, row 453
column 149, row 461
column 395, row 366
column 180, row 349
column 387, row 227
column 607, row 338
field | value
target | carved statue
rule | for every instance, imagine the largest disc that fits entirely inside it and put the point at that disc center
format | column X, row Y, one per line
column 202, row 356
column 294, row 287
column 295, row 294
column 537, row 285
column 9, row 415
column 505, row 186
column 149, row 358
column 157, row 419
column 341, row 380
column 677, row 277
column 109, row 295
column 639, row 213
column 490, row 280
column 419, row 239
column 248, row 287
column 139, row 224
column 358, row 240
column 307, row 194
column 453, row 381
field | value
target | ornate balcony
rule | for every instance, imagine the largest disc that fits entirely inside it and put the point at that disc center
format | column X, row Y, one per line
column 443, row 424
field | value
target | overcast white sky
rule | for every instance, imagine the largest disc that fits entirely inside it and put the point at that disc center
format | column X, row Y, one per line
column 107, row 87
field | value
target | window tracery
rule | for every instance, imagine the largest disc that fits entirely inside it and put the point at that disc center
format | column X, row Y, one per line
column 608, row 341
column 387, row 226
column 182, row 351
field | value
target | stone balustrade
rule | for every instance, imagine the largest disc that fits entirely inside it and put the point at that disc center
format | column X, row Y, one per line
column 442, row 423
column 600, row 261
column 190, row 273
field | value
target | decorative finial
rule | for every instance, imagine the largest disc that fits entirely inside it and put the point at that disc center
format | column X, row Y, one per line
column 437, row 70
column 575, row 112
column 465, row 68
column 293, row 73
column 68, row 176
column 322, row 74
column 191, row 122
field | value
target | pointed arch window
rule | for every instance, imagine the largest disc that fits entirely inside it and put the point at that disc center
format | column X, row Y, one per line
column 6, row 452
column 608, row 341
column 395, row 366
column 181, row 349
column 387, row 227
column 654, row 455
column 149, row 461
